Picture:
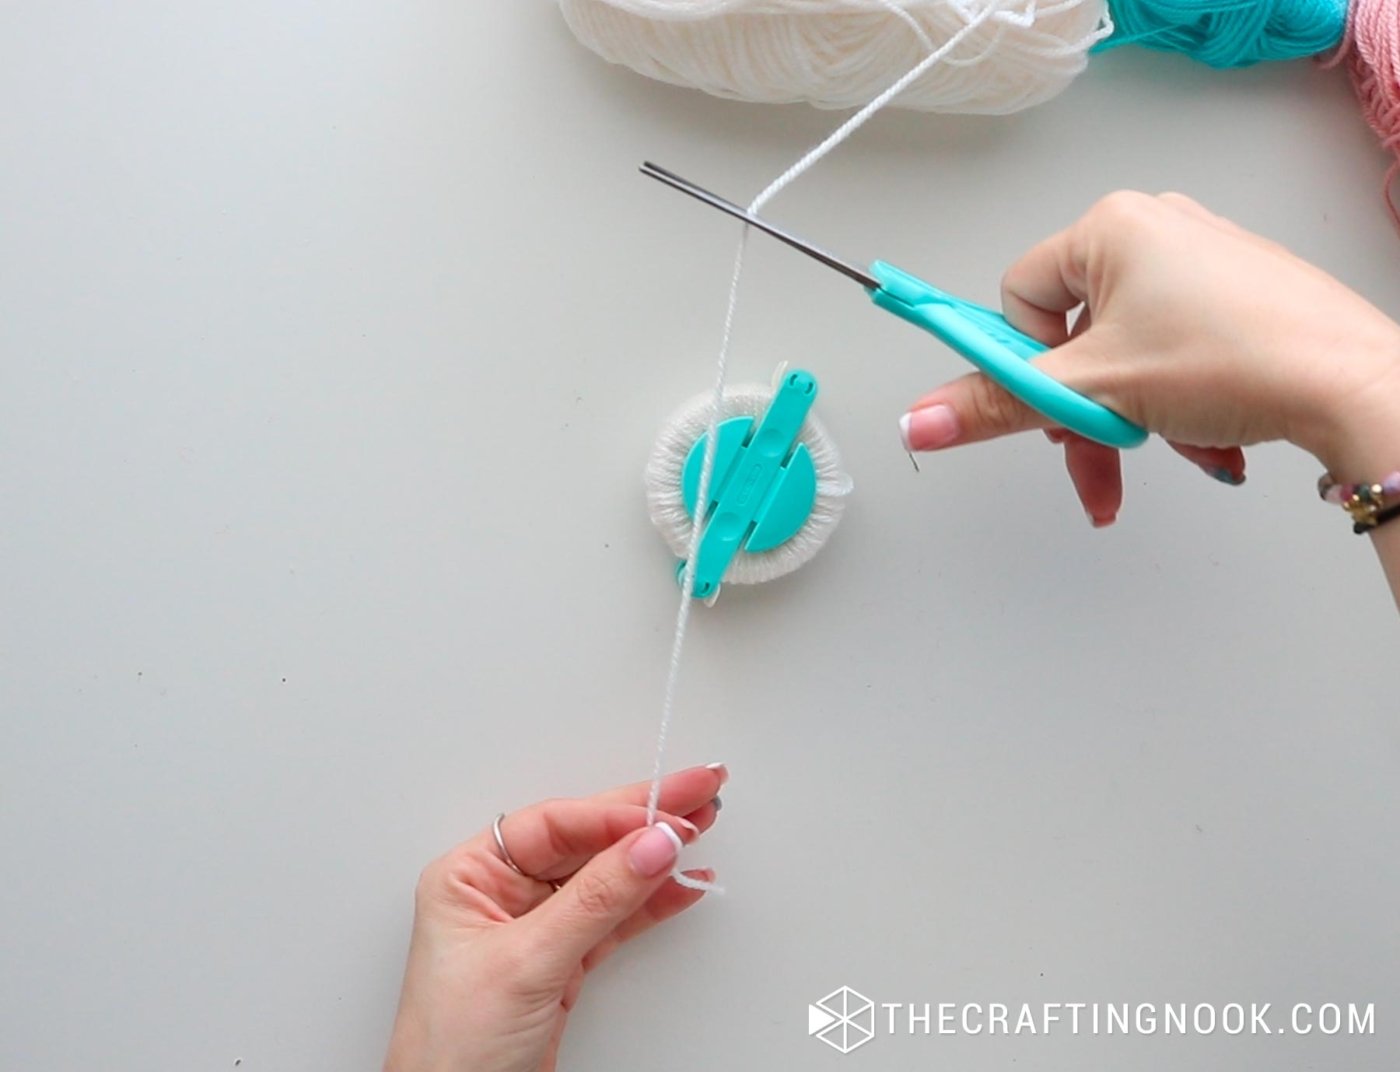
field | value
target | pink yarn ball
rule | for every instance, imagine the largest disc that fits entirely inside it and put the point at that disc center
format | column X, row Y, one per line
column 1371, row 52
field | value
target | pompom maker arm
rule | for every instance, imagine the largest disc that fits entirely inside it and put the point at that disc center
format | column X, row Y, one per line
column 979, row 334
column 763, row 485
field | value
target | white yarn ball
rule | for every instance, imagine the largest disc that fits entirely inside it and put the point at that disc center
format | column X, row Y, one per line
column 843, row 53
column 666, row 504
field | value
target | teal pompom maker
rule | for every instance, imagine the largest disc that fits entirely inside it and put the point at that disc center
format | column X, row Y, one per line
column 775, row 493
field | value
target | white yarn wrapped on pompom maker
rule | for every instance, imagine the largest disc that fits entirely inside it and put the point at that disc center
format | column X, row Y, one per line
column 843, row 53
column 666, row 500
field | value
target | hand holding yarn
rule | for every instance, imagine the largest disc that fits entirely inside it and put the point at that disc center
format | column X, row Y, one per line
column 1211, row 336
column 498, row 955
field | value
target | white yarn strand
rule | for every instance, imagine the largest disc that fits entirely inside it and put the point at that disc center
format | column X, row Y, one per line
column 908, row 20
column 842, row 53
column 855, row 122
column 687, row 599
column 824, row 457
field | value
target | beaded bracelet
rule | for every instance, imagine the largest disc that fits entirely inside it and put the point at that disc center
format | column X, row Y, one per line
column 1366, row 503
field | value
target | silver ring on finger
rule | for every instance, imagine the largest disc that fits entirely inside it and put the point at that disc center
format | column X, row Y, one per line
column 510, row 860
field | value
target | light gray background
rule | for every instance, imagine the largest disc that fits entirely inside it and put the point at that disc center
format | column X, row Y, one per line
column 335, row 336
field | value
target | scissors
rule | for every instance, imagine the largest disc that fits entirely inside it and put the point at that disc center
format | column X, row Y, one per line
column 979, row 334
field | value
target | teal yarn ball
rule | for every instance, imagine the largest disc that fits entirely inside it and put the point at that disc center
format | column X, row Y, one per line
column 1230, row 34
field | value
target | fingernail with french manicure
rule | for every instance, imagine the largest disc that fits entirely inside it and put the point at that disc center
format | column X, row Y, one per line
column 720, row 769
column 688, row 825
column 655, row 851
column 929, row 428
column 1100, row 522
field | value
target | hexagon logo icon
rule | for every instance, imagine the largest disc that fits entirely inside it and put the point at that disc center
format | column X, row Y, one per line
column 844, row 1019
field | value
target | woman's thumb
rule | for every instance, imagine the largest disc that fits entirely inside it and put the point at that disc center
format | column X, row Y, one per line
column 600, row 896
column 974, row 407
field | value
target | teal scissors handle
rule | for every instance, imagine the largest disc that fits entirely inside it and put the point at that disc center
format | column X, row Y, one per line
column 1003, row 353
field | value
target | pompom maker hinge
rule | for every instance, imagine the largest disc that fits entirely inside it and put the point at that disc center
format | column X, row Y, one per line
column 762, row 489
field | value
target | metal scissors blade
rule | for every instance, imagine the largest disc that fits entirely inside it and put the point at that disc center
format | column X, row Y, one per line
column 847, row 269
column 982, row 335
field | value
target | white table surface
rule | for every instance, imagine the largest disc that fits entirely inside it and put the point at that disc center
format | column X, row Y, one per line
column 334, row 338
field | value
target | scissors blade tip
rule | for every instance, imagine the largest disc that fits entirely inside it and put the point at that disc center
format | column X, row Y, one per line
column 847, row 269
